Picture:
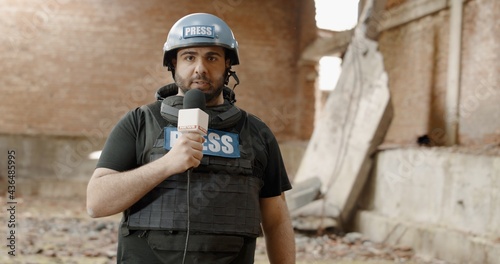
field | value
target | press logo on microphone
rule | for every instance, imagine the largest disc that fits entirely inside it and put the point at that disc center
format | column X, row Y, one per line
column 193, row 128
column 217, row 143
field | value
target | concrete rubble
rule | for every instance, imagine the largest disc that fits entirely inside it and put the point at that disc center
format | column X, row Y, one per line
column 59, row 231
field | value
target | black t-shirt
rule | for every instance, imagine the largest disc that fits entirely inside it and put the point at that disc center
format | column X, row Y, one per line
column 120, row 150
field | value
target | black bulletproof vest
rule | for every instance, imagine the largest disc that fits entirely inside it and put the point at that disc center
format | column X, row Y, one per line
column 224, row 192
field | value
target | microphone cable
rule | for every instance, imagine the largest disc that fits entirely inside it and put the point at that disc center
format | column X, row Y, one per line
column 188, row 216
column 193, row 99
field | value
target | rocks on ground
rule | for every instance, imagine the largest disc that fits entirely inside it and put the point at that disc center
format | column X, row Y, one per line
column 59, row 231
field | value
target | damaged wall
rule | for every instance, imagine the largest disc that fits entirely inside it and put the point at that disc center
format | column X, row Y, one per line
column 441, row 201
column 480, row 81
column 70, row 64
column 416, row 58
column 71, row 69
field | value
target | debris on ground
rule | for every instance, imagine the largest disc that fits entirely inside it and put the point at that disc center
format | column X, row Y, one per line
column 59, row 231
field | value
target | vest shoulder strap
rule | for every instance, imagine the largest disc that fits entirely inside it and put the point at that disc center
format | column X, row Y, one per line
column 153, row 127
column 241, row 122
column 154, row 109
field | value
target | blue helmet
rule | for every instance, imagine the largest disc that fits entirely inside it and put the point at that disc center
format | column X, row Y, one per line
column 200, row 29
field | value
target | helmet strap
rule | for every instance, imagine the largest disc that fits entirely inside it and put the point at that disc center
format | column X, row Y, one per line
column 226, row 81
column 171, row 68
column 173, row 73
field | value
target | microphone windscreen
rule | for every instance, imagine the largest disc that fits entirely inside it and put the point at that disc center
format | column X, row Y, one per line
column 194, row 98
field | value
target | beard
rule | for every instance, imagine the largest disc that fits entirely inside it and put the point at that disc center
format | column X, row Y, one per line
column 211, row 94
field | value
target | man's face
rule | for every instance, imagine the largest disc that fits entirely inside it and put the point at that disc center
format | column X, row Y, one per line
column 202, row 68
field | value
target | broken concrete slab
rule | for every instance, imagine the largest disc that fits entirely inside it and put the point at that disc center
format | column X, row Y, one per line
column 328, row 44
column 303, row 193
column 317, row 215
column 356, row 116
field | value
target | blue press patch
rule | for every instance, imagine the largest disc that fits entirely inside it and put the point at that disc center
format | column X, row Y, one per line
column 198, row 31
column 217, row 143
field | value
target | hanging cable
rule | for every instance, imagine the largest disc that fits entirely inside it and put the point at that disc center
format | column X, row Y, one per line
column 188, row 220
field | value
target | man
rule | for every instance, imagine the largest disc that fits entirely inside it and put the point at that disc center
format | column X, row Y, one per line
column 213, row 213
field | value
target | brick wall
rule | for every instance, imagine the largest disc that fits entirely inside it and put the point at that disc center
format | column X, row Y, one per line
column 413, row 56
column 480, row 80
column 416, row 58
column 73, row 68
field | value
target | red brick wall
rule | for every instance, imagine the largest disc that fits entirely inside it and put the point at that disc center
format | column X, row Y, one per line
column 73, row 68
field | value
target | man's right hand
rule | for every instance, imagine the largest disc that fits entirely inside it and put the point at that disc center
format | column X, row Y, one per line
column 185, row 154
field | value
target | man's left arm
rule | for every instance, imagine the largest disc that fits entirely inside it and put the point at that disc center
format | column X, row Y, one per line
column 278, row 230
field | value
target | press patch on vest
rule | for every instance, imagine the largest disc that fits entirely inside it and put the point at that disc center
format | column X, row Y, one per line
column 198, row 31
column 217, row 143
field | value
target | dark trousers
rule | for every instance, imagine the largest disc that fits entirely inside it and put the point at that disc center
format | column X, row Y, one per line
column 151, row 247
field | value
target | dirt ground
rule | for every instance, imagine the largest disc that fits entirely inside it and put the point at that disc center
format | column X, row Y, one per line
column 59, row 231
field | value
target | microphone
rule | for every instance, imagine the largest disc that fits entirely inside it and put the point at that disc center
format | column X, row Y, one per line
column 192, row 118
